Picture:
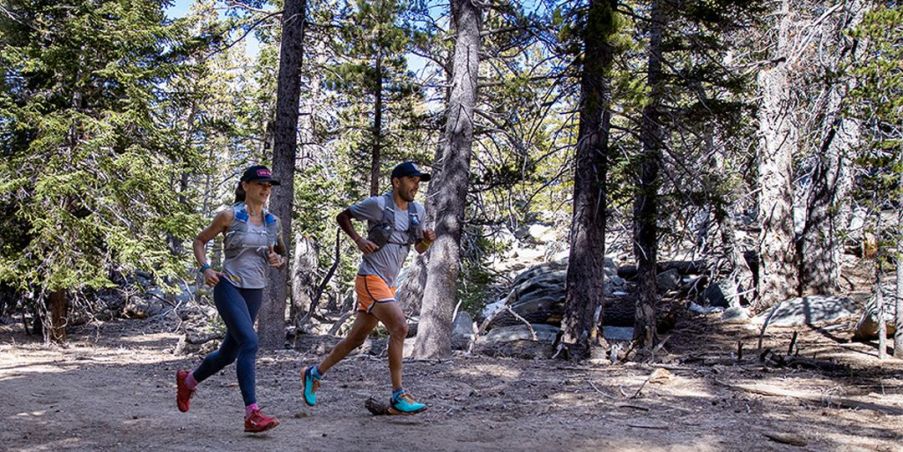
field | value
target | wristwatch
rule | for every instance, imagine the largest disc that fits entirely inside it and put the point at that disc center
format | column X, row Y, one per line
column 204, row 267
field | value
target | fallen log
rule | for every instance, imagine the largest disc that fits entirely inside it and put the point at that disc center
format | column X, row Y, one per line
column 683, row 267
column 549, row 308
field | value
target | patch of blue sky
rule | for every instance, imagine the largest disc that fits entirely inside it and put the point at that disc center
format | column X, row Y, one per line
column 181, row 8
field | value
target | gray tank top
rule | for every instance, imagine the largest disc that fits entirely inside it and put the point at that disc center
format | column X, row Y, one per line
column 245, row 247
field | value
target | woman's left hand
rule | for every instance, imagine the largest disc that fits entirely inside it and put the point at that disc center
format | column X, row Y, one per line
column 274, row 258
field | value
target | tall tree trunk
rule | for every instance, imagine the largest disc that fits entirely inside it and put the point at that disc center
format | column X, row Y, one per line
column 645, row 209
column 585, row 275
column 410, row 293
column 434, row 330
column 879, row 309
column 778, row 277
column 271, row 326
column 377, row 129
column 827, row 209
column 304, row 274
column 898, row 316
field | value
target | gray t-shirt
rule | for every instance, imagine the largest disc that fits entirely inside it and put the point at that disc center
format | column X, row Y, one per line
column 387, row 262
column 248, row 269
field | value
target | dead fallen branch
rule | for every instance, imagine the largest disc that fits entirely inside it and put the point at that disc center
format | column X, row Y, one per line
column 787, row 438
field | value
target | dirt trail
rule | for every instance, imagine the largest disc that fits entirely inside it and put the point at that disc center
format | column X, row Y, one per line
column 115, row 390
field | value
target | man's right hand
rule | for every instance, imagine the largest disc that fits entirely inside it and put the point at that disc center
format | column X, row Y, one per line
column 366, row 246
column 211, row 277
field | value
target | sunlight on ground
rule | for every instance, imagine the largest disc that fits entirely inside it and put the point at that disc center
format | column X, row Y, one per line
column 68, row 443
column 149, row 339
column 489, row 370
column 20, row 371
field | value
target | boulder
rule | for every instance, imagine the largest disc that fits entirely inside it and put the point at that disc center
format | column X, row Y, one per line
column 668, row 280
column 813, row 310
column 617, row 333
column 544, row 333
column 721, row 293
column 735, row 314
column 517, row 341
column 142, row 308
column 463, row 331
column 541, row 233
column 867, row 326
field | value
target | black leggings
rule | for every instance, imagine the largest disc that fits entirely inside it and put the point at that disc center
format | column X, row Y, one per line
column 238, row 309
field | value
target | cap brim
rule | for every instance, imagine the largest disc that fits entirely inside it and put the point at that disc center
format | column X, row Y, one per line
column 425, row 177
column 269, row 181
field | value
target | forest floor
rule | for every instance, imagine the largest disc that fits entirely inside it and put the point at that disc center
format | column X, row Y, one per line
column 113, row 388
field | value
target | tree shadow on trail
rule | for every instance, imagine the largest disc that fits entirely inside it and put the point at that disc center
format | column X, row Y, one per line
column 119, row 395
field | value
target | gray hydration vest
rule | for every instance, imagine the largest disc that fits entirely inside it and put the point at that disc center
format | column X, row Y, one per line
column 234, row 242
column 381, row 233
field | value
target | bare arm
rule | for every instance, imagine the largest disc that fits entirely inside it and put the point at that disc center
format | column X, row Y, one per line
column 344, row 220
column 278, row 252
column 219, row 225
column 424, row 244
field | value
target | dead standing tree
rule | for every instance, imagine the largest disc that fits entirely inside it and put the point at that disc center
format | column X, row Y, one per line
column 434, row 329
column 778, row 270
column 827, row 203
column 271, row 325
column 585, row 275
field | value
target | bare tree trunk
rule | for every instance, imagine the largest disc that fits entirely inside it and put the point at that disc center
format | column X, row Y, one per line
column 271, row 324
column 645, row 209
column 821, row 245
column 898, row 316
column 59, row 308
column 304, row 271
column 778, row 277
column 410, row 292
column 434, row 330
column 585, row 275
column 377, row 130
column 879, row 308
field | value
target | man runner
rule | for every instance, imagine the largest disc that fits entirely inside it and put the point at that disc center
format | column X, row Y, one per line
column 394, row 224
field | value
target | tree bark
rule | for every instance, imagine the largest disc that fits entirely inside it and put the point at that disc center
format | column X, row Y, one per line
column 879, row 308
column 58, row 316
column 827, row 207
column 645, row 209
column 304, row 270
column 434, row 330
column 410, row 293
column 778, row 270
column 898, row 316
column 376, row 130
column 585, row 274
column 271, row 324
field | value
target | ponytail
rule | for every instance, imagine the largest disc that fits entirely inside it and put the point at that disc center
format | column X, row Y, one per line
column 239, row 193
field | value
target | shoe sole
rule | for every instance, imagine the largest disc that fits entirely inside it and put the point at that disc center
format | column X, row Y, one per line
column 268, row 428
column 177, row 393
column 396, row 412
column 304, row 388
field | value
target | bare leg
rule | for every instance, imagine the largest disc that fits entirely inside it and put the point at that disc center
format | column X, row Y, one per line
column 360, row 329
column 392, row 317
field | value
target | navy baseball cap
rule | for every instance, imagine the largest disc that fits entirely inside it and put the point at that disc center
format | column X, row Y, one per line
column 258, row 173
column 409, row 169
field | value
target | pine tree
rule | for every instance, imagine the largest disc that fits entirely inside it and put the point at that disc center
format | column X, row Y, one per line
column 87, row 162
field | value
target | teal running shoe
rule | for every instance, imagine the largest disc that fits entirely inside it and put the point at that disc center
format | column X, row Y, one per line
column 404, row 403
column 310, row 383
